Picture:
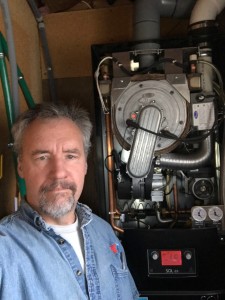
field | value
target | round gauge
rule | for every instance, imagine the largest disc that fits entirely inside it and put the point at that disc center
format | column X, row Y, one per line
column 215, row 213
column 199, row 213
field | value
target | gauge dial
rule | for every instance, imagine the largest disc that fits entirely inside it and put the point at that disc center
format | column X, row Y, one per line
column 199, row 213
column 215, row 213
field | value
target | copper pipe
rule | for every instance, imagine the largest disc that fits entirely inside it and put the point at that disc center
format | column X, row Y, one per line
column 112, row 202
column 175, row 200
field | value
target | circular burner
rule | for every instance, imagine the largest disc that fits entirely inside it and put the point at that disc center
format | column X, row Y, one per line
column 162, row 95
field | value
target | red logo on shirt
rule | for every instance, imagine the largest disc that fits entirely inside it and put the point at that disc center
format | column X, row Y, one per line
column 113, row 247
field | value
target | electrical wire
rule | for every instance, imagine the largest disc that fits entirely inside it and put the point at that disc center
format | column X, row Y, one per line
column 161, row 61
column 127, row 72
column 151, row 67
column 169, row 135
column 220, row 80
column 96, row 76
column 163, row 134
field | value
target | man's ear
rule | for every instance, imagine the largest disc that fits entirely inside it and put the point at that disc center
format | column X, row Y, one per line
column 19, row 167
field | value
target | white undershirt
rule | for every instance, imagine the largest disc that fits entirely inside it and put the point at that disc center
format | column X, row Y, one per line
column 72, row 234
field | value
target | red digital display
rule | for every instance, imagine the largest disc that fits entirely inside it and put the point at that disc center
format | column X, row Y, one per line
column 171, row 258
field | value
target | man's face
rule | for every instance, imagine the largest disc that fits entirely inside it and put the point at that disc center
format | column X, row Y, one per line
column 53, row 165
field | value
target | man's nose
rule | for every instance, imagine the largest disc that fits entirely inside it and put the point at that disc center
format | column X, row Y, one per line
column 57, row 168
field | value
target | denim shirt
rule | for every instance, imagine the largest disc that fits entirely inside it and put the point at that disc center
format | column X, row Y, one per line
column 37, row 264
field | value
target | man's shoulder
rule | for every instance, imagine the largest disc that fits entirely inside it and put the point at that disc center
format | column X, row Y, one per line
column 92, row 219
column 8, row 220
column 5, row 242
column 5, row 221
column 102, row 226
column 13, row 224
column 100, row 220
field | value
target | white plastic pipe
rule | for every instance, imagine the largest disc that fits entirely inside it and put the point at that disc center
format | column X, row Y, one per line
column 205, row 10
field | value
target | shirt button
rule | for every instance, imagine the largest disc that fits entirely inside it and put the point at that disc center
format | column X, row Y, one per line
column 38, row 223
column 61, row 241
column 78, row 272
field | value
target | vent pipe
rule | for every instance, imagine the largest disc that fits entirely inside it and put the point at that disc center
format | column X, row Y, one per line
column 202, row 12
column 146, row 23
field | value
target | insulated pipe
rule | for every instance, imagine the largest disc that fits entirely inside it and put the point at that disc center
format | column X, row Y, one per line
column 11, row 55
column 188, row 162
column 203, row 11
column 146, row 23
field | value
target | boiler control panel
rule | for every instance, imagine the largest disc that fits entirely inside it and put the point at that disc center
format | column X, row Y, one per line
column 171, row 262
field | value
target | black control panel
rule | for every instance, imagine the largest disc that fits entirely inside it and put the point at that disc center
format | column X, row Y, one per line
column 177, row 263
column 171, row 262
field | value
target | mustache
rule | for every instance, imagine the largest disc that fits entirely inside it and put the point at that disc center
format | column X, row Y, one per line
column 62, row 184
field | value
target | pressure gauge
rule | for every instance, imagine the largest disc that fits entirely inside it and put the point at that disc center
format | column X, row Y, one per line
column 215, row 213
column 198, row 213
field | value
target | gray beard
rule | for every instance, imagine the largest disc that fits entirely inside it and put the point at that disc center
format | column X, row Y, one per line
column 50, row 207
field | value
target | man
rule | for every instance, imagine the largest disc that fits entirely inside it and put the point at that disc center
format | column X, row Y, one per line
column 54, row 247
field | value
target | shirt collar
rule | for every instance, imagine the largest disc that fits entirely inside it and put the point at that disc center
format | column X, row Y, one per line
column 83, row 212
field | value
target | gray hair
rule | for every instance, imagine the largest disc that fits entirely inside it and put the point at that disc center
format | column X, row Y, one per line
column 52, row 111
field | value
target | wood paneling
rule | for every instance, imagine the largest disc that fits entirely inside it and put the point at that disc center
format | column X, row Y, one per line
column 71, row 34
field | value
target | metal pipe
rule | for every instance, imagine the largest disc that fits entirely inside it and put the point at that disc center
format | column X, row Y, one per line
column 47, row 57
column 11, row 56
column 175, row 196
column 202, row 12
column 6, row 89
column 187, row 162
column 158, row 215
column 146, row 23
column 112, row 202
column 10, row 112
column 22, row 83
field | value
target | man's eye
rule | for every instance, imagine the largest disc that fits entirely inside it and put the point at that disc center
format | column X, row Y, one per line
column 71, row 156
column 43, row 157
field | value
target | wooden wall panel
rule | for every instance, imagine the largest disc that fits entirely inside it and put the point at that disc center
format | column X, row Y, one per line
column 71, row 34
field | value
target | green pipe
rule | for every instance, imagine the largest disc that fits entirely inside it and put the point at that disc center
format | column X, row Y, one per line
column 9, row 106
column 6, row 89
column 22, row 185
column 22, row 83
column 24, row 88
